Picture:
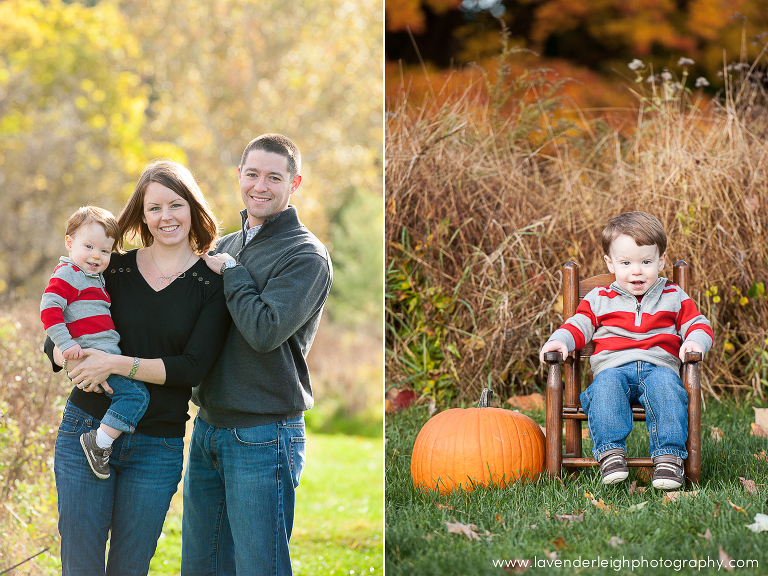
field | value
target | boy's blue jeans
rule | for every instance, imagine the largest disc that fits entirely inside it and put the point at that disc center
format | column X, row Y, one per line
column 606, row 403
column 130, row 399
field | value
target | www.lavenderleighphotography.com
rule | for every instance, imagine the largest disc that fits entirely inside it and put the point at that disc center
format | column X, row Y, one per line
column 191, row 287
column 576, row 315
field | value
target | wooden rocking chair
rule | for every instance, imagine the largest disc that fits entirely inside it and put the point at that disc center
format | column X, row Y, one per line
column 570, row 410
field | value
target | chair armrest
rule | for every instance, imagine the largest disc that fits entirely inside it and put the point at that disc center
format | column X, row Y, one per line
column 553, row 357
column 692, row 357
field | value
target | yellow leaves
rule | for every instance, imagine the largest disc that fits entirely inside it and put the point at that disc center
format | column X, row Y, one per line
column 716, row 434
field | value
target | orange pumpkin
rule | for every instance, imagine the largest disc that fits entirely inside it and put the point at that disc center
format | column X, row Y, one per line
column 461, row 448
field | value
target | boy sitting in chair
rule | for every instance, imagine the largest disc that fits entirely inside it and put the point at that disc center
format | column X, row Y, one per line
column 642, row 327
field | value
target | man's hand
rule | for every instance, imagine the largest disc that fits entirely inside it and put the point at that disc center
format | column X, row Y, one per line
column 690, row 346
column 73, row 352
column 553, row 346
column 216, row 261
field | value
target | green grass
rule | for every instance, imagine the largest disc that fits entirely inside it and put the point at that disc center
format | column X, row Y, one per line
column 339, row 512
column 522, row 523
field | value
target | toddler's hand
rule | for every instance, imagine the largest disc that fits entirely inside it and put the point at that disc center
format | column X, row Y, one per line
column 690, row 346
column 73, row 352
column 553, row 346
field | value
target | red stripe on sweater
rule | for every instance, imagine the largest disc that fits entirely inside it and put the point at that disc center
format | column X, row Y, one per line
column 626, row 320
column 668, row 342
column 94, row 294
column 577, row 335
column 61, row 288
column 703, row 327
column 91, row 325
column 52, row 316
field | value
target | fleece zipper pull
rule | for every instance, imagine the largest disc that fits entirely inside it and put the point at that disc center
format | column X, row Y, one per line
column 638, row 316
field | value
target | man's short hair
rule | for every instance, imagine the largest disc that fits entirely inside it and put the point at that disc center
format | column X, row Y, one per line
column 643, row 228
column 93, row 215
column 277, row 144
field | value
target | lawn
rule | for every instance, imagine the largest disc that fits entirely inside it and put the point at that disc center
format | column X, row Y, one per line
column 634, row 533
column 339, row 511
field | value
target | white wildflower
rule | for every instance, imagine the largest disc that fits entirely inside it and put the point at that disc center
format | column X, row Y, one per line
column 652, row 79
column 675, row 86
column 701, row 81
column 685, row 62
column 666, row 76
column 636, row 64
column 720, row 74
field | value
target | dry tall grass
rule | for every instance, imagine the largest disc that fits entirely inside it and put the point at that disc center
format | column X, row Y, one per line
column 487, row 195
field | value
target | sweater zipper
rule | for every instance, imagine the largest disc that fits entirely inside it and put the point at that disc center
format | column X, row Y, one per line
column 638, row 316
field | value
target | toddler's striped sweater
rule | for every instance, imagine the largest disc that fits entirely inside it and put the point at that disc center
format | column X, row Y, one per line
column 75, row 310
column 627, row 329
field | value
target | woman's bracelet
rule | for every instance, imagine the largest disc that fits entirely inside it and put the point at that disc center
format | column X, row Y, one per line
column 135, row 367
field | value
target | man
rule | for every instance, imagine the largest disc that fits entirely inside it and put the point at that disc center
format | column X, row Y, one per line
column 247, row 451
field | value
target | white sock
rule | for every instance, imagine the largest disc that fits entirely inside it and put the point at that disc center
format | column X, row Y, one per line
column 103, row 440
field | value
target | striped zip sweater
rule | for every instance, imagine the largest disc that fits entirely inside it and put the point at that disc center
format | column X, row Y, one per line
column 626, row 329
column 75, row 310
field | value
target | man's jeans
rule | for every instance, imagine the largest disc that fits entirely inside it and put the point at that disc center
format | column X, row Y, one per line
column 606, row 403
column 130, row 399
column 239, row 498
column 132, row 502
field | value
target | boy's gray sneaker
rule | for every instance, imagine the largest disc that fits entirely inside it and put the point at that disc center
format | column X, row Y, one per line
column 668, row 473
column 98, row 458
column 613, row 466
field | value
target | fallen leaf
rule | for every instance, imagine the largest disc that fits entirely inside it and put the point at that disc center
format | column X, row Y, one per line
column 443, row 506
column 518, row 566
column 674, row 496
column 645, row 473
column 717, row 510
column 570, row 517
column 615, row 541
column 432, row 407
column 761, row 523
column 560, row 543
column 550, row 555
column 467, row 529
column 761, row 418
column 706, row 534
column 588, row 495
column 530, row 402
column 499, row 519
column 716, row 434
column 761, row 456
column 636, row 507
column 600, row 504
column 725, row 560
column 533, row 526
column 402, row 398
column 749, row 485
column 758, row 431
column 737, row 508
column 634, row 488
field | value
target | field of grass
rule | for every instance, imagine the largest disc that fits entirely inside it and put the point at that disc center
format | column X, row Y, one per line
column 520, row 522
column 339, row 512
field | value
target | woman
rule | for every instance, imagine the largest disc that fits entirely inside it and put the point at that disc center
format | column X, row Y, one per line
column 170, row 312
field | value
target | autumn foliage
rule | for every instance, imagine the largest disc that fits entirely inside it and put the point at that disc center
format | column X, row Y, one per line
column 491, row 188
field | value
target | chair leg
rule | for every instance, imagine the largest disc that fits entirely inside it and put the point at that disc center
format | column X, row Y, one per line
column 554, row 440
column 693, row 444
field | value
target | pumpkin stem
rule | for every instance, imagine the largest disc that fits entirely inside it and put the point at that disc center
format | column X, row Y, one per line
column 485, row 398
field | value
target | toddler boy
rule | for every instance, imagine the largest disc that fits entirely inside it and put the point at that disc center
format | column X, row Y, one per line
column 75, row 313
column 642, row 327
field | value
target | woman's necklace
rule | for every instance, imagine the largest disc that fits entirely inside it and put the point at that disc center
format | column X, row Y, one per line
column 170, row 278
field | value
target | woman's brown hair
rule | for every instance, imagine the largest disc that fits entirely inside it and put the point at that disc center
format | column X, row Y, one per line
column 204, row 230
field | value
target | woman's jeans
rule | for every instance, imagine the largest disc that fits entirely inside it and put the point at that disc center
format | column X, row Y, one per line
column 130, row 399
column 132, row 502
column 239, row 498
column 606, row 403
